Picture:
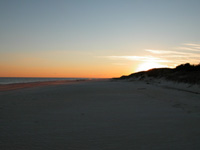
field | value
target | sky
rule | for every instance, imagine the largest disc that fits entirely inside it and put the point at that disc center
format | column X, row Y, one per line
column 96, row 38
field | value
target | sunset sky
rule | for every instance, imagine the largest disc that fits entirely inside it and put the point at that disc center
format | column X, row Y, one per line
column 96, row 38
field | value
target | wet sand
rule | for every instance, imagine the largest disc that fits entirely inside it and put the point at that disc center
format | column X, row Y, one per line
column 15, row 86
column 99, row 115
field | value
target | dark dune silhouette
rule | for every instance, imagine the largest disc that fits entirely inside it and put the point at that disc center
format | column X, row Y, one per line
column 185, row 73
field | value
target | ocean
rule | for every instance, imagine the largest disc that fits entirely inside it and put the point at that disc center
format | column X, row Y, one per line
column 11, row 80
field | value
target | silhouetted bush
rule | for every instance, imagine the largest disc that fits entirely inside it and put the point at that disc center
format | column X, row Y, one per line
column 188, row 67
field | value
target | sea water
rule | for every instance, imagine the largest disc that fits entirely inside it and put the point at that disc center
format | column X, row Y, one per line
column 11, row 80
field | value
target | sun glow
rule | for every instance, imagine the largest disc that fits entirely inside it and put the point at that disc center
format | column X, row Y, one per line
column 149, row 65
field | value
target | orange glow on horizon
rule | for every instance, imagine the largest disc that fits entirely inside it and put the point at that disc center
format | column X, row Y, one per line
column 61, row 72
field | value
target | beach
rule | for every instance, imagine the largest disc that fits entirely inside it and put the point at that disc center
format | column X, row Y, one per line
column 99, row 115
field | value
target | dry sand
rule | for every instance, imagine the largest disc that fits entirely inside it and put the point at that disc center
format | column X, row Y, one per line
column 99, row 115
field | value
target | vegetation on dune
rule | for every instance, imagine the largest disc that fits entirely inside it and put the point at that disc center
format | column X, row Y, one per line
column 186, row 73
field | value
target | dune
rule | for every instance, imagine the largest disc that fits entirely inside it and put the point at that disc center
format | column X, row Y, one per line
column 184, row 73
column 110, row 115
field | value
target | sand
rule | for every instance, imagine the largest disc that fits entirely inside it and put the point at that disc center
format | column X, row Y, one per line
column 99, row 115
column 14, row 86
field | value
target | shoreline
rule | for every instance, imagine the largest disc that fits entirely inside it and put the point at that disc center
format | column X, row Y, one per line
column 16, row 86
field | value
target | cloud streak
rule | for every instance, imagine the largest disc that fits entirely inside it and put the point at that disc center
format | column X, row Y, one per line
column 188, row 53
column 165, row 52
column 139, row 58
column 190, row 47
column 192, row 44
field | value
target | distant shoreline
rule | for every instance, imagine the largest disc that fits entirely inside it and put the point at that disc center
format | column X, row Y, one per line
column 12, row 80
column 15, row 86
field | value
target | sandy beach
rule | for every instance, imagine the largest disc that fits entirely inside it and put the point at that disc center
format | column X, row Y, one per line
column 99, row 115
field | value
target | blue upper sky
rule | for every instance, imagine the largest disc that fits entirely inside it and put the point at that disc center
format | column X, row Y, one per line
column 98, row 27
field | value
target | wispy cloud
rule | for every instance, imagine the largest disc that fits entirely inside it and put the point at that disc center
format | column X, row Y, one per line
column 192, row 44
column 165, row 52
column 139, row 58
column 190, row 47
column 157, row 51
column 188, row 52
